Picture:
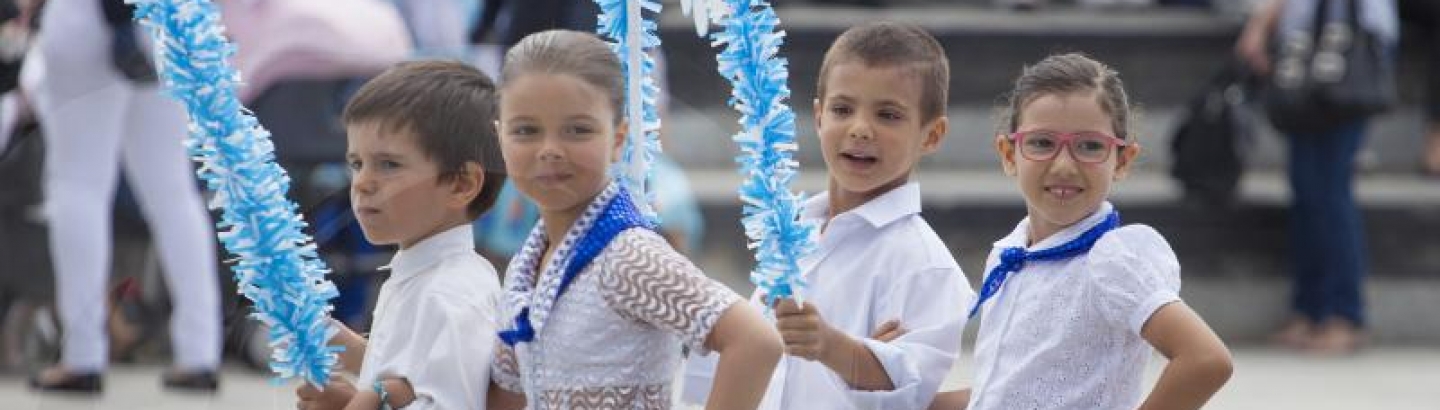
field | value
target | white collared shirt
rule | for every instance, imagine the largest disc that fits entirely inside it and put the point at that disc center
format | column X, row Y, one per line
column 877, row 262
column 435, row 323
column 1066, row 334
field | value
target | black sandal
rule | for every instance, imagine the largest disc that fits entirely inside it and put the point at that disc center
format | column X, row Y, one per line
column 200, row 382
column 83, row 383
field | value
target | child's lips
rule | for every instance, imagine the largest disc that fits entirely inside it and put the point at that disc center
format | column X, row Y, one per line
column 367, row 210
column 552, row 177
column 859, row 158
column 1064, row 192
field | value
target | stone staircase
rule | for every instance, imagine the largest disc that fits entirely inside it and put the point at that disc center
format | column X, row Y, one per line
column 1235, row 258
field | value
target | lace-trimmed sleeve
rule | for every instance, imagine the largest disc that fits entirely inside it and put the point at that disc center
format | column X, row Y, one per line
column 647, row 281
column 505, row 369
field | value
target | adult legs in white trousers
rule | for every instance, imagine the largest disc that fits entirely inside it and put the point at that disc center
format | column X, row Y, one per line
column 95, row 121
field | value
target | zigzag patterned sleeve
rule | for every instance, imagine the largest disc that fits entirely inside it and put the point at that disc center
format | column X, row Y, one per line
column 505, row 369
column 647, row 281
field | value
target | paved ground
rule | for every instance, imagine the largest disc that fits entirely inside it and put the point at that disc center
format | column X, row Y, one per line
column 1271, row 379
column 1391, row 378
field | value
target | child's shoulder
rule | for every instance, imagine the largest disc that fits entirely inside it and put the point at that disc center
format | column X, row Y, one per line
column 1133, row 239
column 911, row 228
column 909, row 242
column 1136, row 246
column 640, row 248
column 640, row 239
column 464, row 275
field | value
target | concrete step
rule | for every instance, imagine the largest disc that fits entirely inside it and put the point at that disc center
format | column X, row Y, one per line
column 1164, row 55
column 943, row 187
column 1249, row 239
column 987, row 47
column 700, row 138
column 1235, row 260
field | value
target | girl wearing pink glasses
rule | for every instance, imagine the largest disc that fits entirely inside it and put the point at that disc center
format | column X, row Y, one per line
column 1073, row 303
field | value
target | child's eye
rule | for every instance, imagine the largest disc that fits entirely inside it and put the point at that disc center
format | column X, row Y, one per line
column 354, row 165
column 524, row 130
column 1090, row 145
column 388, row 164
column 840, row 110
column 1042, row 141
column 891, row 115
column 579, row 130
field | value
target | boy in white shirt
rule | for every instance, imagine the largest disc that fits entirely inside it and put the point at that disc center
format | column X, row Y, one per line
column 424, row 162
column 881, row 107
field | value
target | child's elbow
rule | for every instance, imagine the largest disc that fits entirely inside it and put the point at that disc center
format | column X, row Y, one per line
column 758, row 351
column 1217, row 366
column 768, row 345
column 743, row 331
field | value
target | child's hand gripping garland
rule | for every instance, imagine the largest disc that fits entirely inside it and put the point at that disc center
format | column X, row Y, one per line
column 750, row 61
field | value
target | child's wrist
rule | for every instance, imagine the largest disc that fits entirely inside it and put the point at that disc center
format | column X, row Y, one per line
column 379, row 389
column 839, row 347
column 394, row 393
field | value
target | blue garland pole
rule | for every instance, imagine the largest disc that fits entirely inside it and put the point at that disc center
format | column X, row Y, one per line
column 632, row 37
column 276, row 264
column 750, row 61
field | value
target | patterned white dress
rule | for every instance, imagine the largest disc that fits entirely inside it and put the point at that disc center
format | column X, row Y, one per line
column 613, row 339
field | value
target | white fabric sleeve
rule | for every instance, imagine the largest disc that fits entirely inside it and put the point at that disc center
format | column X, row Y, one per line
column 448, row 356
column 1133, row 273
column 931, row 305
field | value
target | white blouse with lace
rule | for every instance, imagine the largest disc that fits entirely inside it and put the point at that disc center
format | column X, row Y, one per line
column 613, row 340
column 1066, row 334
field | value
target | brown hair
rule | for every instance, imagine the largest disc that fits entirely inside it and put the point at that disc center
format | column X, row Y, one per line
column 1069, row 73
column 572, row 53
column 449, row 107
column 888, row 44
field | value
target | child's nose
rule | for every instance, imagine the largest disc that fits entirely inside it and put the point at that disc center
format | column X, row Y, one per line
column 1064, row 159
column 550, row 153
column 861, row 129
column 550, row 150
column 362, row 182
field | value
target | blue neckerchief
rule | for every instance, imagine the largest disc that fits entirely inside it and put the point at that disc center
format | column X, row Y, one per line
column 1013, row 259
column 619, row 215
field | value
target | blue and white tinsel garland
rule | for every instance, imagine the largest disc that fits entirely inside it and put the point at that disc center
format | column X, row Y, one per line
column 632, row 37
column 750, row 61
column 276, row 266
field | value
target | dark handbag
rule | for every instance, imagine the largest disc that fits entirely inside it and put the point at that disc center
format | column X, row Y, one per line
column 25, row 265
column 1206, row 147
column 1331, row 74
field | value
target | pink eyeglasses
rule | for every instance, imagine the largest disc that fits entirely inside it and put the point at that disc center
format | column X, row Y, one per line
column 1085, row 146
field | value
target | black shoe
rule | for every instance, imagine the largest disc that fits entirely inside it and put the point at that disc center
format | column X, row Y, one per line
column 200, row 382
column 86, row 383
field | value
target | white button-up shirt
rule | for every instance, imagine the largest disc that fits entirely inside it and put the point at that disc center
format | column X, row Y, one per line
column 1066, row 334
column 435, row 323
column 877, row 262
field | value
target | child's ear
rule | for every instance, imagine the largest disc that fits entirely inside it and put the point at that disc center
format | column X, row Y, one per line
column 819, row 111
column 1125, row 159
column 621, row 132
column 1005, row 148
column 935, row 135
column 466, row 185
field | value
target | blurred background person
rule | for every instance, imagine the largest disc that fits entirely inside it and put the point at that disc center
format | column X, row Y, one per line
column 101, row 110
column 1423, row 18
column 1328, row 247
